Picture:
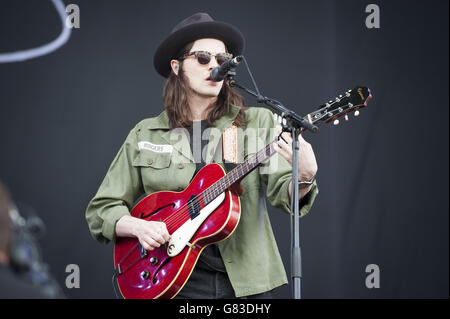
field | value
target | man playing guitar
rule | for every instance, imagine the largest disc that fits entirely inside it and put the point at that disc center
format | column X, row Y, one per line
column 246, row 262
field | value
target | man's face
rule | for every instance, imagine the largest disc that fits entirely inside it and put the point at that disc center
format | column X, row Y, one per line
column 197, row 73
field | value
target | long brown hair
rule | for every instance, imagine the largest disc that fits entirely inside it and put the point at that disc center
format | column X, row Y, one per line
column 175, row 97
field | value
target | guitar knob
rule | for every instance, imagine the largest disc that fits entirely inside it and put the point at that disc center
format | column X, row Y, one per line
column 356, row 113
column 145, row 274
column 346, row 117
column 154, row 261
column 336, row 122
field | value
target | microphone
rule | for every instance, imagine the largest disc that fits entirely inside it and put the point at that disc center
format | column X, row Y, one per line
column 219, row 73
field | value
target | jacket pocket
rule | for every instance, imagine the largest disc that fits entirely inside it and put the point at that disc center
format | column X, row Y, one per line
column 153, row 160
column 155, row 170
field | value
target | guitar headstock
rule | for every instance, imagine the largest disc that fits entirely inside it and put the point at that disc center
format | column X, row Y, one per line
column 351, row 101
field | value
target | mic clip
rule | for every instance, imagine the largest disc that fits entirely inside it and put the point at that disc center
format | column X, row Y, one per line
column 229, row 77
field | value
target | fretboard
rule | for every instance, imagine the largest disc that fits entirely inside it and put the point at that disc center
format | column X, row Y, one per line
column 238, row 172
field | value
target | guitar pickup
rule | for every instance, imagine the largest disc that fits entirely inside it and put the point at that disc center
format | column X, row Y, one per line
column 190, row 245
column 181, row 237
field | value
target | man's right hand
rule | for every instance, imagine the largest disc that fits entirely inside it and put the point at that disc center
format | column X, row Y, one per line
column 151, row 234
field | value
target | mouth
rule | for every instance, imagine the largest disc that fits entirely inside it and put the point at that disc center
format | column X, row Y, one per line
column 211, row 82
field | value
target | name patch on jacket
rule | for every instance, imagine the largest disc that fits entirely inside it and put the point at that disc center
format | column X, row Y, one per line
column 155, row 147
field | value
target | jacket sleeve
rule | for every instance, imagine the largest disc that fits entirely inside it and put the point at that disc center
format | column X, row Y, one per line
column 121, row 186
column 276, row 172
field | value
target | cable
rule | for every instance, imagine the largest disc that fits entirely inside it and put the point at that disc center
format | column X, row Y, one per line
column 48, row 48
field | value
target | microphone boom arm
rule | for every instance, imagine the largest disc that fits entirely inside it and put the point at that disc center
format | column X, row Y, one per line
column 292, row 119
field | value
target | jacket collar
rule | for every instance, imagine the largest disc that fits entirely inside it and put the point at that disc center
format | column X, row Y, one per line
column 159, row 122
column 183, row 146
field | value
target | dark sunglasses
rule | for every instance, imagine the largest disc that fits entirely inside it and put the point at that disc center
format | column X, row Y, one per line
column 204, row 57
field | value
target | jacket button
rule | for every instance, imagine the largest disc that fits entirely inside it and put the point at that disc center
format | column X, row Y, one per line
column 150, row 161
column 180, row 166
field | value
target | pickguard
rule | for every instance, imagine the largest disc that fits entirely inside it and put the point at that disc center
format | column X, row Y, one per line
column 181, row 237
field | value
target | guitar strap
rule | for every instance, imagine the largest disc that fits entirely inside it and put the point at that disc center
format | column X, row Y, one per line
column 228, row 154
column 230, row 144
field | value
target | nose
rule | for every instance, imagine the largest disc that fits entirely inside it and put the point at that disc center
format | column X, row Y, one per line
column 213, row 63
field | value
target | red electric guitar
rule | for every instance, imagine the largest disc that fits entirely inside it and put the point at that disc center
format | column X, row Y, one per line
column 206, row 212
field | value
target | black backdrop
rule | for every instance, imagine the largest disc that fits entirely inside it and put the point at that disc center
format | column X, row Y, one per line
column 383, row 177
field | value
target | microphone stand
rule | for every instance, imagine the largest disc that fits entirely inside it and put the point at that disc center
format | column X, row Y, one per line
column 291, row 122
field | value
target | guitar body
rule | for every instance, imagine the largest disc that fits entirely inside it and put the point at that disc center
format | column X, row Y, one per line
column 162, row 272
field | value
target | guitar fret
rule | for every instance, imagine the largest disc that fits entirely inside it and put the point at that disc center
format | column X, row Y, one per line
column 238, row 172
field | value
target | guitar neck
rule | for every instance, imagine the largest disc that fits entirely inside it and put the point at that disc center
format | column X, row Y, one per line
column 238, row 172
column 350, row 101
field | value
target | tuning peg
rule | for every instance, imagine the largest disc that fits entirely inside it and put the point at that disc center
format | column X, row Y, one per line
column 336, row 122
column 356, row 113
column 346, row 117
column 277, row 118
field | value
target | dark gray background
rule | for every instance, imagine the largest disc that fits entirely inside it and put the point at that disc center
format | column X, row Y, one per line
column 383, row 177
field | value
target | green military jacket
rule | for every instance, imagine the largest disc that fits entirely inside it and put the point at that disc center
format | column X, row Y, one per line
column 155, row 158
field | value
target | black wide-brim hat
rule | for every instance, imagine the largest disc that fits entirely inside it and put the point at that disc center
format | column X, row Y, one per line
column 197, row 26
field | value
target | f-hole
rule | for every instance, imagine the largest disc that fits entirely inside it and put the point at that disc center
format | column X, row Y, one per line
column 154, row 212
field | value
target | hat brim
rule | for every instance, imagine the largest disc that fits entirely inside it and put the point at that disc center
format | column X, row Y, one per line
column 167, row 50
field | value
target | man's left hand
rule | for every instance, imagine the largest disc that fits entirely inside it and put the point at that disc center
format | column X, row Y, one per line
column 307, row 164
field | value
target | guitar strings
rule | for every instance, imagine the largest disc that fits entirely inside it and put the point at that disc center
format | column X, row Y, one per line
column 178, row 215
column 175, row 218
column 183, row 211
column 214, row 189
